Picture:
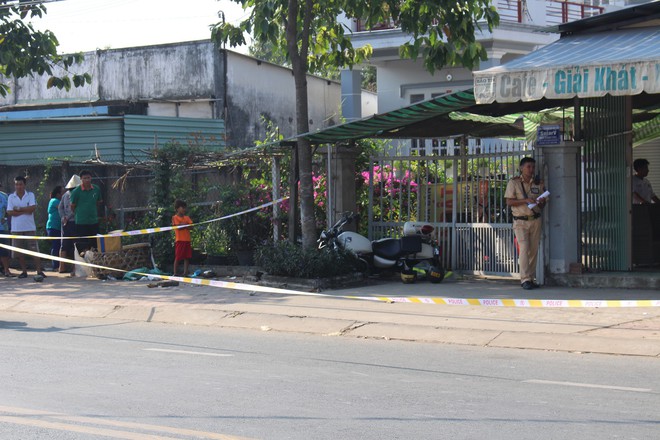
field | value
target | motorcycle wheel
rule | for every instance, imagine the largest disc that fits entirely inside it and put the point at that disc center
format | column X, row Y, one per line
column 364, row 267
column 435, row 275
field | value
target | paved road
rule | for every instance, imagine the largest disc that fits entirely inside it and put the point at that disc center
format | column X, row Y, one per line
column 81, row 378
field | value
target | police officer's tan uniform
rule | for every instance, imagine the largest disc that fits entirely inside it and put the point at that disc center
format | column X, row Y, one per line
column 526, row 224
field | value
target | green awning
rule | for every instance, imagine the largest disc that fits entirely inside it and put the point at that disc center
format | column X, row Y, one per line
column 427, row 119
column 458, row 114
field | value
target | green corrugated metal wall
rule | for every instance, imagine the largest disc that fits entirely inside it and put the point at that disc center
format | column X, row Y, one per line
column 118, row 139
column 34, row 142
column 141, row 132
column 606, row 201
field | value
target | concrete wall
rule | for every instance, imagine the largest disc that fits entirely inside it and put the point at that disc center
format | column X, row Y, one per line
column 257, row 88
column 169, row 71
column 172, row 71
column 369, row 103
column 188, row 80
column 399, row 79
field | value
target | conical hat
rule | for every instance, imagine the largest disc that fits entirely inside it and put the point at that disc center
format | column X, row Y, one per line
column 74, row 182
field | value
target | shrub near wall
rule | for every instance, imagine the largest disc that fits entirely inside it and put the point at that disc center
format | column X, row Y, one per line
column 291, row 260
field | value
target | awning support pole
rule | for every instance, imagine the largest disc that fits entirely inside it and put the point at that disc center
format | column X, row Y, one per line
column 293, row 196
column 577, row 121
column 277, row 223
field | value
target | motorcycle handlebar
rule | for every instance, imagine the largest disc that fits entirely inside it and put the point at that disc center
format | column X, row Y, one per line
column 335, row 229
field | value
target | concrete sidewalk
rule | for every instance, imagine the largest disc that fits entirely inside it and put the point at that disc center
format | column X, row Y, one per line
column 624, row 331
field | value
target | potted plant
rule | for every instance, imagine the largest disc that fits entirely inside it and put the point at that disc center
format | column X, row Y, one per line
column 215, row 243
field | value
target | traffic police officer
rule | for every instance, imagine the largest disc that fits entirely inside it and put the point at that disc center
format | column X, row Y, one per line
column 520, row 192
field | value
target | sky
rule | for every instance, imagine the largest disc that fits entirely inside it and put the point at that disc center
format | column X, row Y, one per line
column 87, row 25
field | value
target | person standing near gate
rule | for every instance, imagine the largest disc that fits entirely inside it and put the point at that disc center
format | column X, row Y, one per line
column 54, row 224
column 68, row 221
column 522, row 191
column 85, row 201
column 642, row 190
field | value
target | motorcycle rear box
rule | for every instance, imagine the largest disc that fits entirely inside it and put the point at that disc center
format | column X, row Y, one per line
column 411, row 244
column 416, row 228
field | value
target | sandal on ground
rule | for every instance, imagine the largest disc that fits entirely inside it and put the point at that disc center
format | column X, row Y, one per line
column 41, row 273
column 23, row 275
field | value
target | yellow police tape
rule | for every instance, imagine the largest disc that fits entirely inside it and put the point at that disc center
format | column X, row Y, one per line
column 197, row 281
column 148, row 230
column 523, row 303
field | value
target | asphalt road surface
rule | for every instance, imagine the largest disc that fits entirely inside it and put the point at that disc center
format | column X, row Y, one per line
column 66, row 378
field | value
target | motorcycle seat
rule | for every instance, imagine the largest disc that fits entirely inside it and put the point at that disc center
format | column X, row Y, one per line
column 393, row 248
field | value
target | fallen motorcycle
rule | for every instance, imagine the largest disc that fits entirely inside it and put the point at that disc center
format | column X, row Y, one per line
column 415, row 255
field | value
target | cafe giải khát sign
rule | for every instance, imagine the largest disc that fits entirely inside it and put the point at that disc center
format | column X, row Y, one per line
column 566, row 82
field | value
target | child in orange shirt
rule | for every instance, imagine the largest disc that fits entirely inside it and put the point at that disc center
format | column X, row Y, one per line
column 182, row 247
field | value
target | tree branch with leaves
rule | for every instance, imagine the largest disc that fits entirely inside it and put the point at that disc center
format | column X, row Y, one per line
column 25, row 51
column 442, row 32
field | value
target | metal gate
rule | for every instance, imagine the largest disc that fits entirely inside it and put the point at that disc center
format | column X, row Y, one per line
column 460, row 191
column 606, row 195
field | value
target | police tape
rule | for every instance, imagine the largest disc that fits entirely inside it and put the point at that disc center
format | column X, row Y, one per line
column 188, row 280
column 484, row 302
column 544, row 303
column 147, row 230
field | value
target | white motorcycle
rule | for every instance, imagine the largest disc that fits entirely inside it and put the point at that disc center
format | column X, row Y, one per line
column 414, row 255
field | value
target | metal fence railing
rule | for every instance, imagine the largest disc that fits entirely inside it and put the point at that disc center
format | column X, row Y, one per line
column 514, row 11
column 461, row 194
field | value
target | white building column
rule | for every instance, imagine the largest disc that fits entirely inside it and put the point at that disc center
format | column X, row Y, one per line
column 494, row 59
column 342, row 195
column 351, row 94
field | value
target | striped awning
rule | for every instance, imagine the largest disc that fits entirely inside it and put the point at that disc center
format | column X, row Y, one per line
column 622, row 62
column 427, row 119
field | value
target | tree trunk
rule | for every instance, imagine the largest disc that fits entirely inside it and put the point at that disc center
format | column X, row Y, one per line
column 308, row 222
column 299, row 66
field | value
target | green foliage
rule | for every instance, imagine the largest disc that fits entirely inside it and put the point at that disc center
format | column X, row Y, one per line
column 41, row 192
column 326, row 44
column 442, row 31
column 308, row 32
column 369, row 78
column 169, row 182
column 254, row 187
column 162, row 244
column 267, row 51
column 291, row 260
column 272, row 132
column 247, row 230
column 25, row 51
column 214, row 240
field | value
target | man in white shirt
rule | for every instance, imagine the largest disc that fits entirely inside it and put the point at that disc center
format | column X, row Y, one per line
column 642, row 190
column 21, row 206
